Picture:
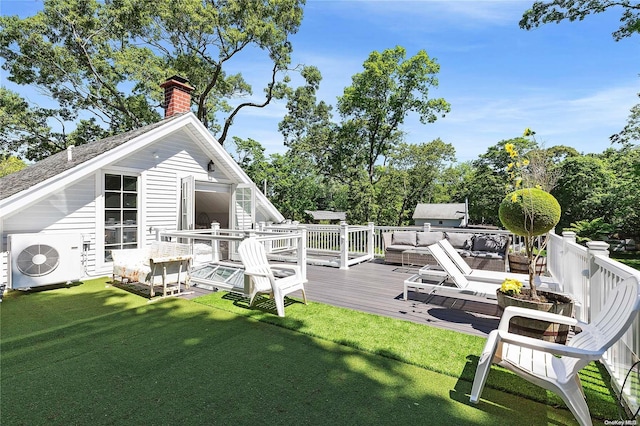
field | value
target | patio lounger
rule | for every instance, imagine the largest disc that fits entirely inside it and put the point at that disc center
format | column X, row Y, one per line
column 493, row 277
column 461, row 284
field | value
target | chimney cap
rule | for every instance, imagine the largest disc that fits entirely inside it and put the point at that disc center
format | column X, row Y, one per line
column 176, row 79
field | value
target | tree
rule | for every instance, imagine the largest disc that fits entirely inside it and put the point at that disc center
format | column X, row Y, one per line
column 105, row 60
column 376, row 104
column 10, row 165
column 560, row 10
column 490, row 180
column 583, row 190
column 417, row 169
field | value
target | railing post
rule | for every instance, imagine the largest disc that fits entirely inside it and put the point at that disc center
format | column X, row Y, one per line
column 344, row 245
column 426, row 227
column 159, row 231
column 370, row 240
column 215, row 243
column 596, row 286
column 568, row 237
column 302, row 251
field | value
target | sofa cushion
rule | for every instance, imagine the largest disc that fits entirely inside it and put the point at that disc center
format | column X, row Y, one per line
column 490, row 243
column 425, row 239
column 464, row 253
column 399, row 247
column 407, row 238
column 487, row 255
column 460, row 240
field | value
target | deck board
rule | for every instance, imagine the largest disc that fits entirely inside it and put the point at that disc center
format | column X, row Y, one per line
column 376, row 287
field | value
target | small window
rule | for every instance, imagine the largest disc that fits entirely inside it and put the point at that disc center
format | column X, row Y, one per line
column 120, row 213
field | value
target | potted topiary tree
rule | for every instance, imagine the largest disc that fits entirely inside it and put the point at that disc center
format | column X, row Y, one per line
column 531, row 212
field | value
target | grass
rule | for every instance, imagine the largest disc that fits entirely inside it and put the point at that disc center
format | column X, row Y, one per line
column 628, row 258
column 91, row 354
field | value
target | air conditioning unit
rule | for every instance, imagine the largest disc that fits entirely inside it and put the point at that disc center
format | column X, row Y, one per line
column 44, row 259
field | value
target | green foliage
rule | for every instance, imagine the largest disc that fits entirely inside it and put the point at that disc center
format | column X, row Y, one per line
column 529, row 212
column 590, row 230
column 105, row 61
column 380, row 97
column 10, row 164
column 583, row 190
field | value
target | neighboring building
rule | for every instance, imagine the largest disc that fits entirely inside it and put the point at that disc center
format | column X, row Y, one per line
column 447, row 215
column 325, row 216
column 115, row 192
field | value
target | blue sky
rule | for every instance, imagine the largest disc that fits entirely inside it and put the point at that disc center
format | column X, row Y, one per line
column 570, row 82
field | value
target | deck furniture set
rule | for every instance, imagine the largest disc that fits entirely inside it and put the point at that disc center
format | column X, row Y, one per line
column 480, row 251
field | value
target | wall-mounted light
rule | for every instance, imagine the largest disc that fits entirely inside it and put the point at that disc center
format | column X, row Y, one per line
column 211, row 167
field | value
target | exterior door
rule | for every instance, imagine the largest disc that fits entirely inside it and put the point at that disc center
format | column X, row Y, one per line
column 187, row 203
column 243, row 212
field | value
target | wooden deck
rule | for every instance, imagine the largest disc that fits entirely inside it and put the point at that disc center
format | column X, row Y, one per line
column 376, row 287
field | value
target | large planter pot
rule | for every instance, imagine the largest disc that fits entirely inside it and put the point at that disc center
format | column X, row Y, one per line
column 558, row 304
column 519, row 264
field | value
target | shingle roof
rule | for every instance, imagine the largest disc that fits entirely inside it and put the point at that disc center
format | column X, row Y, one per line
column 58, row 163
column 439, row 211
column 326, row 215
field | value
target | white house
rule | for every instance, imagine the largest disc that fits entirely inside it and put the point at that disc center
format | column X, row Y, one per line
column 443, row 214
column 115, row 192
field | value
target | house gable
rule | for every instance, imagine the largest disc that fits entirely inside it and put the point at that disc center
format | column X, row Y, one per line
column 28, row 186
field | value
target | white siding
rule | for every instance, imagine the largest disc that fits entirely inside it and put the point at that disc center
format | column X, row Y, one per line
column 71, row 210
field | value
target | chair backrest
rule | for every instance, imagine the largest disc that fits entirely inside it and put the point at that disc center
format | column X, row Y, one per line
column 448, row 265
column 455, row 257
column 613, row 320
column 254, row 259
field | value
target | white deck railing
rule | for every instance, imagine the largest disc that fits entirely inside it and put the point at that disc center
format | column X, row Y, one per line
column 588, row 274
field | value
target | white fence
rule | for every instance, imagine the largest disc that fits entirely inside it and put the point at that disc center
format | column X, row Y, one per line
column 588, row 274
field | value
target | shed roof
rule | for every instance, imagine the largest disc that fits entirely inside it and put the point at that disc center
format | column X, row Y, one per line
column 326, row 215
column 440, row 211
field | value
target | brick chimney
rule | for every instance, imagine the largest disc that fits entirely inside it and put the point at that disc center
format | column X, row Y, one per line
column 177, row 96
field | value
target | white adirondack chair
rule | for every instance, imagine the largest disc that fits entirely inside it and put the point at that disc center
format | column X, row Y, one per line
column 256, row 265
column 555, row 366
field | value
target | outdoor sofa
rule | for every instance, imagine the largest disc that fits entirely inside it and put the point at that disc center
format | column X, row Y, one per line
column 480, row 251
column 161, row 263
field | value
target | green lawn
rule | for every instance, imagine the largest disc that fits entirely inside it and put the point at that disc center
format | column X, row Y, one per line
column 631, row 259
column 94, row 354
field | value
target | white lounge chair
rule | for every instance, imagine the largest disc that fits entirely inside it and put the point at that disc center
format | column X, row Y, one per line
column 461, row 284
column 477, row 274
column 555, row 366
column 254, row 259
column 492, row 277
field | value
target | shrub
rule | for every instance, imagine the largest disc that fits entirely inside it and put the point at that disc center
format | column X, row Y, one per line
column 529, row 212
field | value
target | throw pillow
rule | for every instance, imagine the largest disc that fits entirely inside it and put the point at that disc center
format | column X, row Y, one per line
column 425, row 239
column 405, row 238
column 460, row 240
column 490, row 243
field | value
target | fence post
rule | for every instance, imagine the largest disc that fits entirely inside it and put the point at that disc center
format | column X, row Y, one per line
column 302, row 251
column 595, row 280
column 344, row 245
column 426, row 227
column 215, row 243
column 370, row 240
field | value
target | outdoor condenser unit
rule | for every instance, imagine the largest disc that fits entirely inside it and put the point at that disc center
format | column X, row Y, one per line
column 43, row 259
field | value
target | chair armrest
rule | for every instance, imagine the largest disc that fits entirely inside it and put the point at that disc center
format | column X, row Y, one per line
column 294, row 268
column 514, row 311
column 550, row 347
column 256, row 273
